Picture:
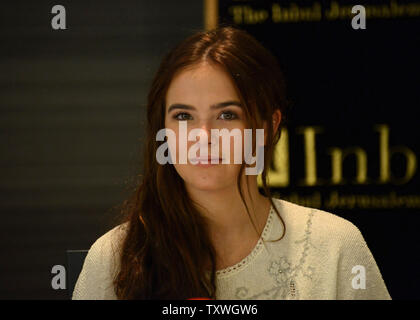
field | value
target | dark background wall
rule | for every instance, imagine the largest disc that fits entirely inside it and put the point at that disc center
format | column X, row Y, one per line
column 71, row 112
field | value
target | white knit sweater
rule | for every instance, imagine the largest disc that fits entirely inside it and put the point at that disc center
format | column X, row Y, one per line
column 322, row 256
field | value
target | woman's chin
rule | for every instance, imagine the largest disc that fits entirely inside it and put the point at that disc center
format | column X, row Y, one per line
column 209, row 177
column 208, row 188
column 210, row 183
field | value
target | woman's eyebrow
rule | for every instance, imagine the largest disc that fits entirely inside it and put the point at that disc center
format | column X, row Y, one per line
column 225, row 104
column 213, row 106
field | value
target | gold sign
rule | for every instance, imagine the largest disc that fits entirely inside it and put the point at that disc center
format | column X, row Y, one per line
column 279, row 175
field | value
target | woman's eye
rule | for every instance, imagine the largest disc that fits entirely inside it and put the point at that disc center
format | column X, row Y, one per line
column 228, row 115
column 182, row 116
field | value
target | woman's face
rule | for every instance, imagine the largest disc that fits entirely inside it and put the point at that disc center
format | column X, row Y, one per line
column 194, row 98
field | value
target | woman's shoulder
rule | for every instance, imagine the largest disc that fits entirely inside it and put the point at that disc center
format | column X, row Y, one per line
column 101, row 264
column 319, row 224
column 337, row 246
column 103, row 255
column 110, row 241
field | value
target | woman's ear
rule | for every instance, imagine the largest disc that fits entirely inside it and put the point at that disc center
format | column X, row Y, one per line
column 276, row 118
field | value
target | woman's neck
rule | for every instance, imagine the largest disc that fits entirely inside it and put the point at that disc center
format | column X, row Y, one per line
column 226, row 215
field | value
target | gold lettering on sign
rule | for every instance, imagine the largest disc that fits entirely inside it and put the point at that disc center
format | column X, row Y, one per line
column 279, row 174
column 385, row 155
column 337, row 158
column 310, row 154
column 295, row 13
column 390, row 200
column 247, row 15
column 386, row 11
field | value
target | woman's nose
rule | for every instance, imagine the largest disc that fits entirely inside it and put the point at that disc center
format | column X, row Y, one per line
column 205, row 131
column 205, row 127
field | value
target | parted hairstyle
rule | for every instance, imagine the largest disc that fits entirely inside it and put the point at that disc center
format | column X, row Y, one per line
column 166, row 251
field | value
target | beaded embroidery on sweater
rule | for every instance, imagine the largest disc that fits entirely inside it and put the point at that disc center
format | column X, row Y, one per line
column 284, row 273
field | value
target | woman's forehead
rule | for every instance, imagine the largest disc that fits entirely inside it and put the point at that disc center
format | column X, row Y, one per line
column 204, row 84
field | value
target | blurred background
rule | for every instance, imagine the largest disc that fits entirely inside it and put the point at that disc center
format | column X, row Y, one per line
column 72, row 113
column 72, row 108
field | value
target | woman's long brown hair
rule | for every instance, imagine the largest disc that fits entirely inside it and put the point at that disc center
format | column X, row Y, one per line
column 166, row 252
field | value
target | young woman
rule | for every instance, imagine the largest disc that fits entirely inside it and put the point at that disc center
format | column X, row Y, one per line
column 205, row 230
